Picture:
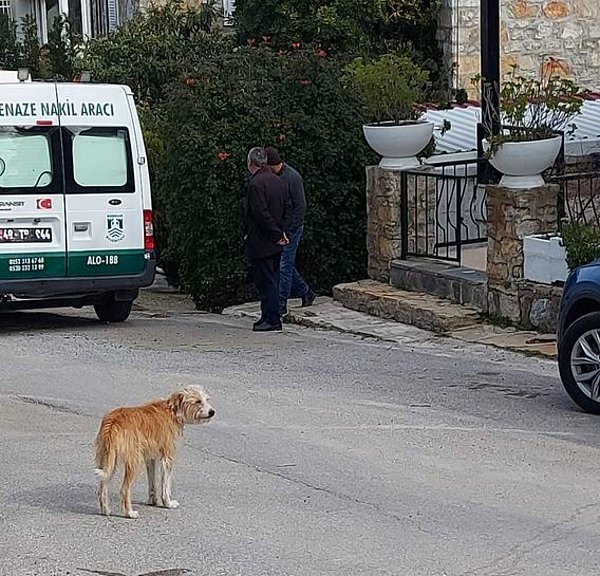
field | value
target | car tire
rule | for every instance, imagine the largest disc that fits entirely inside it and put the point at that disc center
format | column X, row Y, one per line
column 569, row 341
column 110, row 310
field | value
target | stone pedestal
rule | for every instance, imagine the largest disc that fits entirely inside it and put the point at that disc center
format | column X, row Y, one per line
column 512, row 215
column 383, row 221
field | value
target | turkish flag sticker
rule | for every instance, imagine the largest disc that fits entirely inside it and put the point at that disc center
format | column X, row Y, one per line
column 44, row 204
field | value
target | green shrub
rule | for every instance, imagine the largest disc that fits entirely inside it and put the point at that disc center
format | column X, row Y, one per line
column 582, row 243
column 61, row 51
column 389, row 87
column 356, row 27
column 204, row 102
column 209, row 120
column 10, row 48
column 353, row 28
column 55, row 60
column 154, row 47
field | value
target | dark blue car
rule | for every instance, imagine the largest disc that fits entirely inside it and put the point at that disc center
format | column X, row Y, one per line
column 578, row 336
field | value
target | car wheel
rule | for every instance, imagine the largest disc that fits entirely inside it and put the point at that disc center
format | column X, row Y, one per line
column 579, row 362
column 110, row 310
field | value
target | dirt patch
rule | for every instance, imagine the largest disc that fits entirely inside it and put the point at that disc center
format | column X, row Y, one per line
column 165, row 303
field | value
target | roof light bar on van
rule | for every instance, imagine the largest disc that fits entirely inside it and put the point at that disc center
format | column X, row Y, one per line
column 148, row 230
column 43, row 122
column 23, row 74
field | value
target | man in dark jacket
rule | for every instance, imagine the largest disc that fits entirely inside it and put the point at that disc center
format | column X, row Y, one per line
column 291, row 283
column 267, row 210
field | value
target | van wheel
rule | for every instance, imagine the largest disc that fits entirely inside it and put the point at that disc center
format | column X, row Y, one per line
column 110, row 310
column 579, row 362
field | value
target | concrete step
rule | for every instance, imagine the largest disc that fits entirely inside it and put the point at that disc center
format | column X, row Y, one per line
column 458, row 284
column 421, row 310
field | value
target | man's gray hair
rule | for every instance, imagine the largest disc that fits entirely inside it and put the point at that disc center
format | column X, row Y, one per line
column 258, row 157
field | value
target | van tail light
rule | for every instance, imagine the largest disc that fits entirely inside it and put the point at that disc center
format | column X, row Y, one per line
column 148, row 230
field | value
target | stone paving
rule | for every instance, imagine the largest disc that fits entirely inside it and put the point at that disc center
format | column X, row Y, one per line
column 330, row 315
column 327, row 314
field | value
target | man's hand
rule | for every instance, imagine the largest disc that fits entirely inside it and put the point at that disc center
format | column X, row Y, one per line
column 284, row 241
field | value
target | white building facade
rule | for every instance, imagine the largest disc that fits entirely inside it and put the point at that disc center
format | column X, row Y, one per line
column 90, row 18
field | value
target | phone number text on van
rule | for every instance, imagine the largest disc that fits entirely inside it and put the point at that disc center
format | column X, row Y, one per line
column 34, row 264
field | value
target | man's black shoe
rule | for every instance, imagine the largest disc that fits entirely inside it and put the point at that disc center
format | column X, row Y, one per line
column 266, row 327
column 308, row 299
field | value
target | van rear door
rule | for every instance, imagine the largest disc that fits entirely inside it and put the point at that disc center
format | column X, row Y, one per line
column 32, row 225
column 104, row 207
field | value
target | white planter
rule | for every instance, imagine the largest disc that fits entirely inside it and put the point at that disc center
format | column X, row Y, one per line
column 522, row 163
column 544, row 259
column 399, row 144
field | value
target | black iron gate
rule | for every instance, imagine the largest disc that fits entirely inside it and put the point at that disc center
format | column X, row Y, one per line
column 443, row 208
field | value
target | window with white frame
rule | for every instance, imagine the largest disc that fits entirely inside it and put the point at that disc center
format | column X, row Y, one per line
column 6, row 8
column 228, row 10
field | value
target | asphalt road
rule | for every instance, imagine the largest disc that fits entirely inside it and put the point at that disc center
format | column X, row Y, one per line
column 328, row 455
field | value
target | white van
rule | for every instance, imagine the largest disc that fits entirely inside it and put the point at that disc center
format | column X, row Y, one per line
column 75, row 207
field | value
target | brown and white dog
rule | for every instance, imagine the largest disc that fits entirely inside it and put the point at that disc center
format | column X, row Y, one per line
column 147, row 435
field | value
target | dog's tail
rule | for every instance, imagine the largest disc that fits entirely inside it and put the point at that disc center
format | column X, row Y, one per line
column 106, row 454
column 102, row 474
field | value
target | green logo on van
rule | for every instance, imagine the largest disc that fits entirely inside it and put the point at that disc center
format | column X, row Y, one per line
column 114, row 226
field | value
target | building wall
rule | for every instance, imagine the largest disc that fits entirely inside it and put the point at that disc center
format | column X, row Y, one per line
column 568, row 31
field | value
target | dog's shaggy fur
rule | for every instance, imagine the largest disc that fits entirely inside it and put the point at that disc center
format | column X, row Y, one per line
column 146, row 435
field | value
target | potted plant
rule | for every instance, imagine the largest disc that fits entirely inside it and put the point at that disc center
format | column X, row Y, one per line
column 390, row 87
column 548, row 258
column 533, row 114
column 582, row 243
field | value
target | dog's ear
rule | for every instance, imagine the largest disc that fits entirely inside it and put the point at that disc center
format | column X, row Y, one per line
column 176, row 401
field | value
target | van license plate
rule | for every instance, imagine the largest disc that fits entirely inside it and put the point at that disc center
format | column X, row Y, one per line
column 21, row 235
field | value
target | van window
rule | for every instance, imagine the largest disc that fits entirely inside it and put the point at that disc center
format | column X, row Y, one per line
column 100, row 160
column 25, row 159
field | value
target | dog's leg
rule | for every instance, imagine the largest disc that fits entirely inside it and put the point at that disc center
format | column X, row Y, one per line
column 167, row 466
column 106, row 462
column 151, row 471
column 103, row 496
column 128, row 478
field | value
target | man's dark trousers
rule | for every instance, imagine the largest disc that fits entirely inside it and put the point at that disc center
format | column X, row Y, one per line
column 266, row 278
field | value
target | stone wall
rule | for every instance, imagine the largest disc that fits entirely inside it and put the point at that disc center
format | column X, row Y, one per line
column 384, row 204
column 538, row 306
column 383, row 221
column 568, row 31
column 512, row 215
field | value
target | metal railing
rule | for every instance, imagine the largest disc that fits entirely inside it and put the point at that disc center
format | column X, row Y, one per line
column 443, row 205
column 443, row 208
column 579, row 197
